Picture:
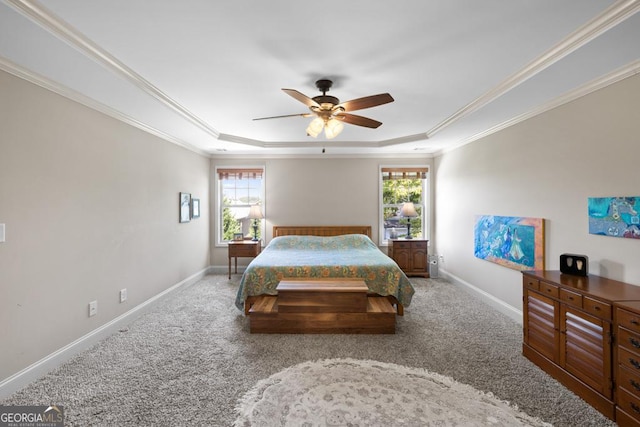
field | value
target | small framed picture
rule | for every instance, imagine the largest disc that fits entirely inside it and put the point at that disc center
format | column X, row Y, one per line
column 238, row 237
column 185, row 207
column 195, row 208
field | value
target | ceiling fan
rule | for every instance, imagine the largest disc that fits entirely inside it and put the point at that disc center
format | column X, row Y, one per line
column 331, row 113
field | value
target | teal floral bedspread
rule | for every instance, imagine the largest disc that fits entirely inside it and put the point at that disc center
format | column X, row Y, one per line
column 351, row 255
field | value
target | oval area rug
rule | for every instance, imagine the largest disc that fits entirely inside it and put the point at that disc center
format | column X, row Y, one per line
column 350, row 392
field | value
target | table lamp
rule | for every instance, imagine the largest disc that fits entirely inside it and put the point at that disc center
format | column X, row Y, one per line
column 408, row 211
column 255, row 214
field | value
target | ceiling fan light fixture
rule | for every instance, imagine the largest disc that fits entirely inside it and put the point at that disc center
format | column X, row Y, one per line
column 315, row 127
column 331, row 113
column 333, row 128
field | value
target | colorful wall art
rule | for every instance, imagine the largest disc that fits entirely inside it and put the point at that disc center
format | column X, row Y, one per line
column 615, row 216
column 514, row 242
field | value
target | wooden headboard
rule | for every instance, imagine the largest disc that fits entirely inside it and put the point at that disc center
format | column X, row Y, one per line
column 321, row 230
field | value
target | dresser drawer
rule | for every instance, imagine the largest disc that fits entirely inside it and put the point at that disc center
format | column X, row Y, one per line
column 629, row 403
column 244, row 250
column 531, row 283
column 402, row 245
column 630, row 381
column 571, row 298
column 597, row 308
column 624, row 419
column 419, row 245
column 628, row 320
column 548, row 289
column 629, row 360
column 629, row 340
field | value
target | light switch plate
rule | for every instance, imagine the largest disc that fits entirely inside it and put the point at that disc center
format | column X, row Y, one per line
column 1, row 233
column 93, row 308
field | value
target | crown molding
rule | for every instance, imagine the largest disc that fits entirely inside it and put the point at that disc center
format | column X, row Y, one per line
column 35, row 11
column 326, row 155
column 45, row 83
column 403, row 140
column 611, row 17
column 327, row 143
column 615, row 76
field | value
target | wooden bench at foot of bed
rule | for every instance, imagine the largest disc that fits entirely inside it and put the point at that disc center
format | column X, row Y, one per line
column 337, row 306
column 399, row 308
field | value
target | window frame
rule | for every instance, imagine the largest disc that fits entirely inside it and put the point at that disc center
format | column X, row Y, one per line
column 219, row 198
column 424, row 202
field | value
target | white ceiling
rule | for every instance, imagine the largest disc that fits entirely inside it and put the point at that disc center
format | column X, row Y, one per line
column 196, row 72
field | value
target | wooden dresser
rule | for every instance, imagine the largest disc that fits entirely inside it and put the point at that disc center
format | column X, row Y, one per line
column 627, row 362
column 410, row 255
column 569, row 330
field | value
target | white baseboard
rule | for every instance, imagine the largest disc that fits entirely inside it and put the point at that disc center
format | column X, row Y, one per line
column 38, row 369
column 496, row 303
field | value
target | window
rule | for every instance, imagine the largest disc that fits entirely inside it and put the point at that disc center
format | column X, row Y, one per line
column 399, row 185
column 238, row 190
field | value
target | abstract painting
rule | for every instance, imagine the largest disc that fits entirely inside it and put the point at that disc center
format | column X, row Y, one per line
column 514, row 242
column 615, row 216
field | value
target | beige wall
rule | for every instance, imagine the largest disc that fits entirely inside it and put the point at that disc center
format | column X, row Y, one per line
column 90, row 206
column 544, row 167
column 316, row 191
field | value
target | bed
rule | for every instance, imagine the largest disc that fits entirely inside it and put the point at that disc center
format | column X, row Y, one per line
column 323, row 252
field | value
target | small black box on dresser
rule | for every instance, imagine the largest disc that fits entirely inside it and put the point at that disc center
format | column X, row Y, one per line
column 575, row 264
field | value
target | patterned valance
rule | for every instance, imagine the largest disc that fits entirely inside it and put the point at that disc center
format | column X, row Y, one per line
column 240, row 173
column 404, row 173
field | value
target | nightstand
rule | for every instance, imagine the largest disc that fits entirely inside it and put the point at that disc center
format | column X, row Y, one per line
column 410, row 255
column 243, row 248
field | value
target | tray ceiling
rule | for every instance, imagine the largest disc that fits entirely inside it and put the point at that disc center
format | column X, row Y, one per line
column 197, row 72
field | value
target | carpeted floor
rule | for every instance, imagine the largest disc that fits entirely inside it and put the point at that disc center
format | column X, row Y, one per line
column 189, row 359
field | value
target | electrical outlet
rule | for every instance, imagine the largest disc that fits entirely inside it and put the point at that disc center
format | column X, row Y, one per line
column 441, row 258
column 123, row 295
column 93, row 308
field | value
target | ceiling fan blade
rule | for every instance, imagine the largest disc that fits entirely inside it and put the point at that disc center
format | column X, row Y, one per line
column 286, row 115
column 366, row 102
column 352, row 119
column 301, row 97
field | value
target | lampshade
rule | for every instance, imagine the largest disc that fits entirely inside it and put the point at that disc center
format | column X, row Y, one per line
column 333, row 128
column 315, row 127
column 255, row 212
column 408, row 210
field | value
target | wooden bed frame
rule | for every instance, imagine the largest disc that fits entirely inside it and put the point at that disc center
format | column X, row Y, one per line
column 321, row 230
